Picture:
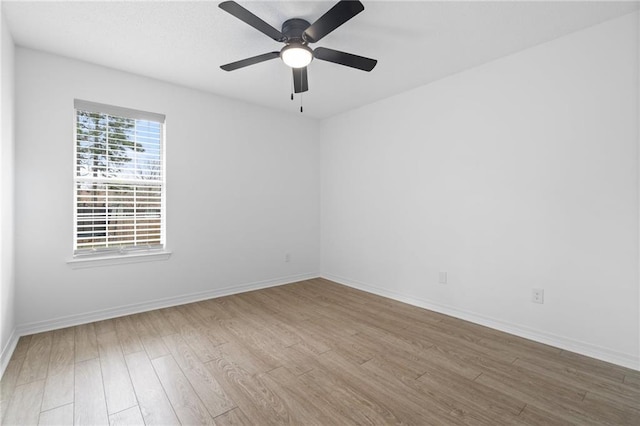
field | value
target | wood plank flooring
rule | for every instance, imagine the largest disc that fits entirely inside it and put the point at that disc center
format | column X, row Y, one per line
column 309, row 353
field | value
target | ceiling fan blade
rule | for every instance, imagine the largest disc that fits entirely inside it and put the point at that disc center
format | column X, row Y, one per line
column 342, row 58
column 250, row 61
column 340, row 13
column 300, row 81
column 244, row 15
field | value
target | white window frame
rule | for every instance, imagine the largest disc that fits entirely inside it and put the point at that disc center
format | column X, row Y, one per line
column 133, row 254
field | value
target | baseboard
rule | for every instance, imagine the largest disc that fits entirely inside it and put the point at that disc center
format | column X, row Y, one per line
column 73, row 320
column 7, row 351
column 587, row 349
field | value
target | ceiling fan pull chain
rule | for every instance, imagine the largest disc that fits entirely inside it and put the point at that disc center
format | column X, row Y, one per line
column 301, row 110
column 291, row 87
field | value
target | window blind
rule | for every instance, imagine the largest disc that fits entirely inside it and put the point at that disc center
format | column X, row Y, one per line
column 118, row 180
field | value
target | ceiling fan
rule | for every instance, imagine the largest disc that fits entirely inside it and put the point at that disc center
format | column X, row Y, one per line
column 297, row 34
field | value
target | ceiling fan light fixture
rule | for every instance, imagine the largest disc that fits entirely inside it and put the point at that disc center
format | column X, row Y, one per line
column 296, row 55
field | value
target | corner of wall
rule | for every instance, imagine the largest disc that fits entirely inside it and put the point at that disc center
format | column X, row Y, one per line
column 638, row 165
column 8, row 338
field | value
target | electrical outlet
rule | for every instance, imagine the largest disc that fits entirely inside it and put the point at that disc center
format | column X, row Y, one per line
column 537, row 295
column 442, row 278
column 287, row 257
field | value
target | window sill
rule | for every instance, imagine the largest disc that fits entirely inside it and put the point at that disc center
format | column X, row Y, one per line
column 119, row 259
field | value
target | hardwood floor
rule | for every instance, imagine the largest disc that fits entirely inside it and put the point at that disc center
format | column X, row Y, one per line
column 309, row 353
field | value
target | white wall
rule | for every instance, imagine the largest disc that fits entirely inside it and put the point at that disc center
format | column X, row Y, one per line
column 242, row 190
column 7, row 282
column 517, row 174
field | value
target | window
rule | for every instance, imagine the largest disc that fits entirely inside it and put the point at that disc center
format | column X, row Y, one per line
column 119, row 188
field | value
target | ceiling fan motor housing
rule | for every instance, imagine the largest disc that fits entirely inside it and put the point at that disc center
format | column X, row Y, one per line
column 293, row 29
column 296, row 53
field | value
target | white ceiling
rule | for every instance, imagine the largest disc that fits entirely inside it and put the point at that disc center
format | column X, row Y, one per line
column 185, row 42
